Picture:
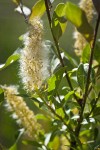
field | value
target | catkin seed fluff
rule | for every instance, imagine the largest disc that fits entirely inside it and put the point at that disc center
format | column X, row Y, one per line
column 23, row 114
column 34, row 59
column 80, row 41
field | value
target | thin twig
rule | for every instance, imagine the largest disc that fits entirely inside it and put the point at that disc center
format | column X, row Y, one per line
column 21, row 7
column 58, row 49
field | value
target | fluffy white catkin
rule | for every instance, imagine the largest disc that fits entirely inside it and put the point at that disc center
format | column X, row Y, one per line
column 80, row 41
column 20, row 110
column 34, row 59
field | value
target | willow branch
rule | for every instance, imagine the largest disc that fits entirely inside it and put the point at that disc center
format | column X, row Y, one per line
column 57, row 47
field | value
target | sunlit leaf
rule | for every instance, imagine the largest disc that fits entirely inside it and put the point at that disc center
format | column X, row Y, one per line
column 77, row 17
column 14, row 147
column 1, row 95
column 59, row 20
column 16, row 2
column 70, row 58
column 54, row 141
column 97, row 52
column 86, row 53
column 55, row 79
column 41, row 116
column 67, row 96
column 38, row 9
column 81, row 76
column 9, row 61
column 92, row 74
column 34, row 143
column 60, row 112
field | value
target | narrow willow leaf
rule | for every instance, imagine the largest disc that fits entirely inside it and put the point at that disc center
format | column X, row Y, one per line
column 81, row 76
column 82, row 72
column 97, row 52
column 41, row 117
column 67, row 96
column 54, row 80
column 34, row 143
column 14, row 147
column 92, row 74
column 59, row 20
column 38, row 9
column 60, row 112
column 17, row 2
column 70, row 58
column 1, row 95
column 77, row 17
column 86, row 53
column 9, row 61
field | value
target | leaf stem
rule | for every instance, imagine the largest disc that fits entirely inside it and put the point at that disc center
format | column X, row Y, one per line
column 57, row 47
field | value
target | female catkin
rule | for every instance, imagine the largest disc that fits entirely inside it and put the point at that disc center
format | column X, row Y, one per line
column 24, row 115
column 34, row 59
column 80, row 41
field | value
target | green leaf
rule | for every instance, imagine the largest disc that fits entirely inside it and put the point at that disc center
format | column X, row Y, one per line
column 77, row 17
column 41, row 116
column 14, row 147
column 81, row 76
column 34, row 143
column 59, row 20
column 92, row 74
column 97, row 52
column 17, row 2
column 54, row 80
column 70, row 58
column 38, row 9
column 67, row 96
column 60, row 112
column 82, row 72
column 9, row 61
column 86, row 53
column 96, row 111
column 1, row 95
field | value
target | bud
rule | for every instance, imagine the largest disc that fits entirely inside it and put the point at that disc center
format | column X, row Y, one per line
column 97, row 5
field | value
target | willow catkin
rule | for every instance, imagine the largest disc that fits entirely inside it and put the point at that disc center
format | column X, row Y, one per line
column 24, row 115
column 34, row 59
column 80, row 41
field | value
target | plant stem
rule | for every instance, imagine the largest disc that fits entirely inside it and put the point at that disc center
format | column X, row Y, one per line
column 57, row 47
column 88, row 77
column 21, row 7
